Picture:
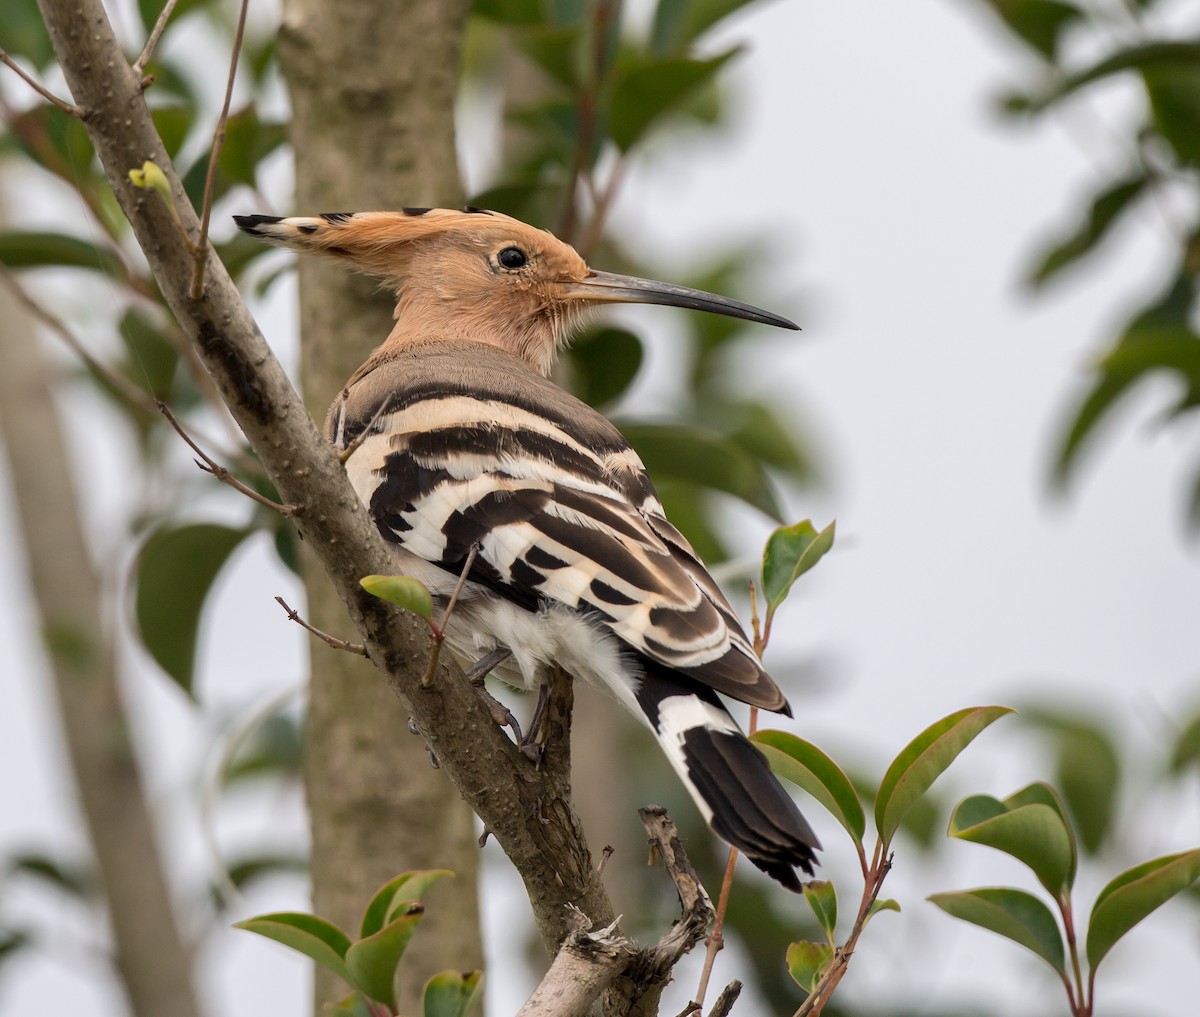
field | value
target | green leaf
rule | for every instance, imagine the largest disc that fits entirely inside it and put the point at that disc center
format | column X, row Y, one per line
column 509, row 12
column 807, row 962
column 1105, row 211
column 248, row 141
column 173, row 124
column 31, row 249
column 450, row 994
column 1087, row 771
column 923, row 760
column 822, row 899
column 409, row 593
column 1168, row 56
column 23, row 33
column 1186, row 750
column 1039, row 23
column 1014, row 914
column 790, row 552
column 74, row 878
column 1030, row 826
column 555, row 49
column 385, row 903
column 372, row 961
column 1133, row 895
column 353, row 1005
column 703, row 457
column 882, row 904
column 314, row 937
column 604, row 362
column 175, row 571
column 649, row 91
column 1174, row 92
column 678, row 23
column 804, row 764
column 275, row 748
column 151, row 9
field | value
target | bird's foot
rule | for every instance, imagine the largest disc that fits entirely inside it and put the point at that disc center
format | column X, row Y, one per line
column 500, row 713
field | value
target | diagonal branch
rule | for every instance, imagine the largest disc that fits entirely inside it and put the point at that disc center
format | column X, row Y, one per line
column 528, row 810
column 37, row 86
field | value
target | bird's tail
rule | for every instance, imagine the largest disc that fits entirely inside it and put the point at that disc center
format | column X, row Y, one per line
column 727, row 776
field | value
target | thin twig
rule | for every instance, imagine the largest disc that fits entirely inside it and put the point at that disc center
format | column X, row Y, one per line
column 366, row 432
column 164, row 16
column 201, row 258
column 726, row 999
column 70, row 109
column 451, row 604
column 601, row 208
column 223, row 475
column 325, row 637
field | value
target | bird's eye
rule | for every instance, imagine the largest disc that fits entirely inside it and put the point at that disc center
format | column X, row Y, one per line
column 512, row 257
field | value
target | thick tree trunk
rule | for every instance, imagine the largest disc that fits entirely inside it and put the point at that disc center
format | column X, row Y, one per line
column 372, row 88
column 150, row 955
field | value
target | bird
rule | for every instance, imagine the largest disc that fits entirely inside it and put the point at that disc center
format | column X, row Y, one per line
column 475, row 466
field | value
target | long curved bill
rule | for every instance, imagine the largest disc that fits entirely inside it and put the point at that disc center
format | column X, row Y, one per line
column 608, row 287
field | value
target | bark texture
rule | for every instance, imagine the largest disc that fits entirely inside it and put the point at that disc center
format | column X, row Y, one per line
column 372, row 87
column 151, row 957
column 527, row 810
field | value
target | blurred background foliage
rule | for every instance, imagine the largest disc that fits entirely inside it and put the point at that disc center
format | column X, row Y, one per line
column 585, row 92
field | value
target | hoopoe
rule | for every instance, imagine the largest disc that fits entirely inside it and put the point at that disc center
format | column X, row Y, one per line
column 463, row 444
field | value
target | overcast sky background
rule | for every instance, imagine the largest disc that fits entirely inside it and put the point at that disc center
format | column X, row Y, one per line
column 902, row 214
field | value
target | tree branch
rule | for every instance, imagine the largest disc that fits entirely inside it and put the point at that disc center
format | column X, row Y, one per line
column 528, row 812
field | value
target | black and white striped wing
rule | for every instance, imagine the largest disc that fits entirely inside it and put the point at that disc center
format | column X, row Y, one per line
column 561, row 510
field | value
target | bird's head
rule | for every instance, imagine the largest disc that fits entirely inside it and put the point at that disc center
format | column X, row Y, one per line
column 480, row 276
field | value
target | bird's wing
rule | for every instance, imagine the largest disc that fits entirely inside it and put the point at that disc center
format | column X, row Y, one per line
column 559, row 505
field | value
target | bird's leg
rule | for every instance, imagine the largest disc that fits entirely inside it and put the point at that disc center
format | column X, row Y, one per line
column 476, row 674
column 532, row 743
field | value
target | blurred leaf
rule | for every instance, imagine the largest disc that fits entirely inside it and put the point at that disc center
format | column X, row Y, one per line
column 1154, row 56
column 1186, row 750
column 151, row 358
column 353, row 1005
column 173, row 124
column 275, row 748
column 604, row 362
column 703, row 457
column 72, row 878
column 651, row 90
column 409, row 593
column 248, row 140
column 1106, row 209
column 314, row 937
column 175, row 571
column 1014, row 914
column 22, row 249
column 822, row 900
column 150, row 10
column 1039, row 23
column 790, row 552
column 247, row 869
column 807, row 766
column 509, row 12
column 372, row 960
column 756, row 427
column 1087, row 771
column 807, row 962
column 385, row 903
column 923, row 760
column 1174, row 91
column 23, row 33
column 554, row 49
column 1158, row 338
column 450, row 994
column 1133, row 895
column 1030, row 825
column 678, row 23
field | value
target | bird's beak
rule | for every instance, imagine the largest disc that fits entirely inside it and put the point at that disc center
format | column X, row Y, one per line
column 608, row 287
